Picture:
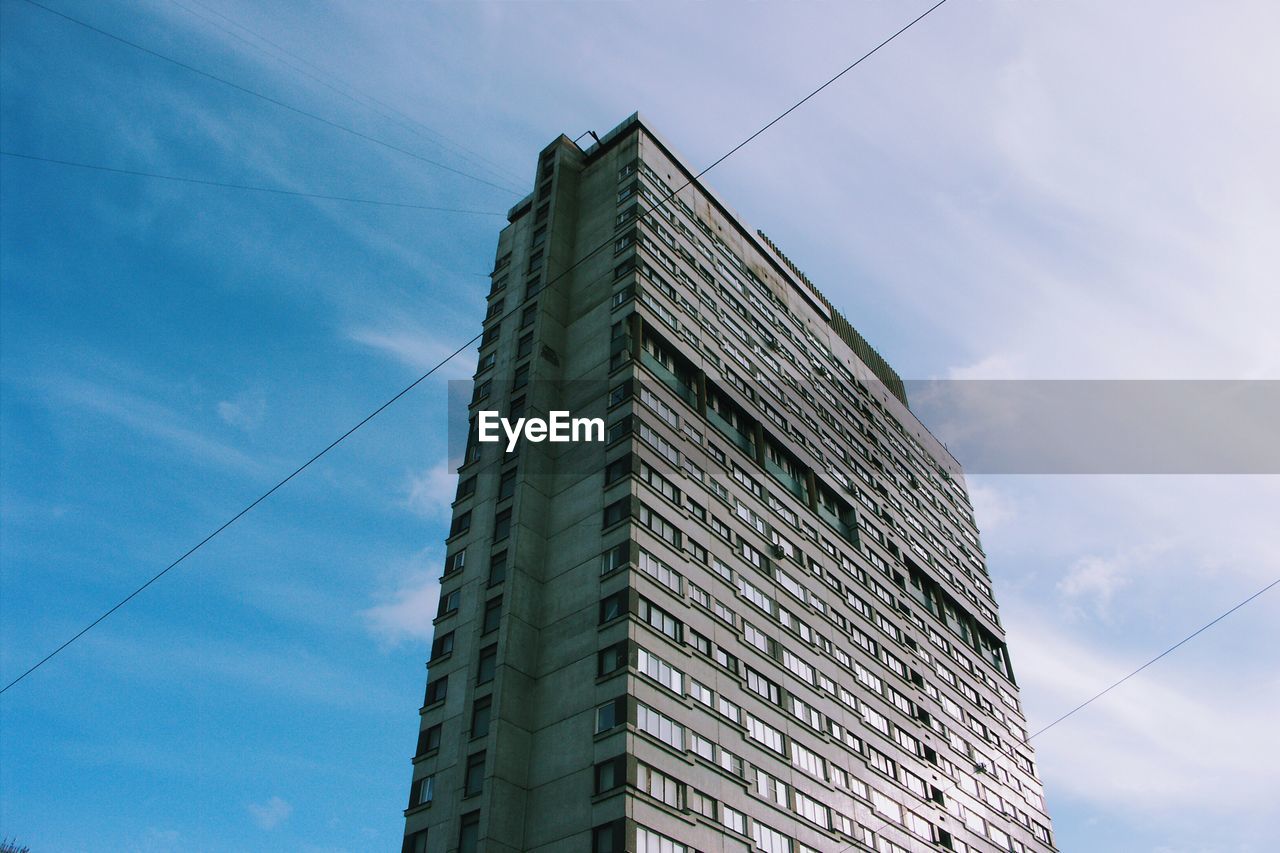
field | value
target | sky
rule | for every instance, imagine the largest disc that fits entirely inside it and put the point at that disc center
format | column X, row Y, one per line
column 1064, row 189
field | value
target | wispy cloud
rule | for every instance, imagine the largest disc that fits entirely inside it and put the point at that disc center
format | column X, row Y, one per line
column 416, row 348
column 244, row 411
column 146, row 417
column 1163, row 743
column 406, row 610
column 430, row 493
column 270, row 814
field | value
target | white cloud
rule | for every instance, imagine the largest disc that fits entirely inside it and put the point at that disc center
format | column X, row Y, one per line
column 245, row 411
column 430, row 493
column 407, row 610
column 270, row 814
column 1094, row 580
column 417, row 348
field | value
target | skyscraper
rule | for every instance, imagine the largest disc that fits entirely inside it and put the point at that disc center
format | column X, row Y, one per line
column 756, row 615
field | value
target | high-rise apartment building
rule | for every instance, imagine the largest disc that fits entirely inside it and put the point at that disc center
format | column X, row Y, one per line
column 755, row 616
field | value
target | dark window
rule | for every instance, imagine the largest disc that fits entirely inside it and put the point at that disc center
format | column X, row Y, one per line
column 449, row 603
column 498, row 568
column 429, row 739
column 507, row 485
column 529, row 314
column 492, row 333
column 611, row 774
column 502, row 525
column 611, row 714
column 480, row 717
column 610, row 838
column 454, row 562
column 467, row 487
column 461, row 524
column 415, row 843
column 612, row 659
column 615, row 558
column 617, row 469
column 488, row 665
column 520, row 378
column 517, row 408
column 492, row 615
column 619, row 430
column 486, row 361
column 619, row 393
column 436, row 690
column 616, row 511
column 525, row 347
column 469, row 833
column 442, row 645
column 474, row 781
column 613, row 606
column 495, row 308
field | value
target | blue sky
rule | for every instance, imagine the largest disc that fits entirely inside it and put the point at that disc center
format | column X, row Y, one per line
column 1012, row 190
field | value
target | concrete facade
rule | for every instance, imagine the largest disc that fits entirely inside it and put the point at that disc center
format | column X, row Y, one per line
column 756, row 617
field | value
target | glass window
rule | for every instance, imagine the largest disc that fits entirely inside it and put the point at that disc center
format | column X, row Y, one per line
column 488, row 665
column 480, row 715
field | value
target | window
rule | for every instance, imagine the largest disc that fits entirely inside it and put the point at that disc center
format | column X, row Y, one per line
column 466, row 488
column 617, row 469
column 461, row 524
column 448, row 603
column 469, row 833
column 492, row 333
column 497, row 568
column 660, row 671
column 495, row 308
column 616, row 558
column 610, row 714
column 492, row 615
column 610, row 837
column 486, row 362
column 525, row 347
column 454, row 562
column 429, row 739
column 611, row 774
column 473, row 782
column 616, row 512
column 659, row 785
column 507, row 485
column 660, row 726
column 502, row 524
column 415, row 843
column 613, row 606
column 661, row 619
column 488, row 664
column 442, row 645
column 520, row 378
column 436, row 690
column 421, row 791
column 529, row 314
column 611, row 659
column 480, row 716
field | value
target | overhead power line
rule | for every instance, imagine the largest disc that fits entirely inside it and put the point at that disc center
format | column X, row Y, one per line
column 346, row 90
column 269, row 99
column 250, row 187
column 607, row 242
